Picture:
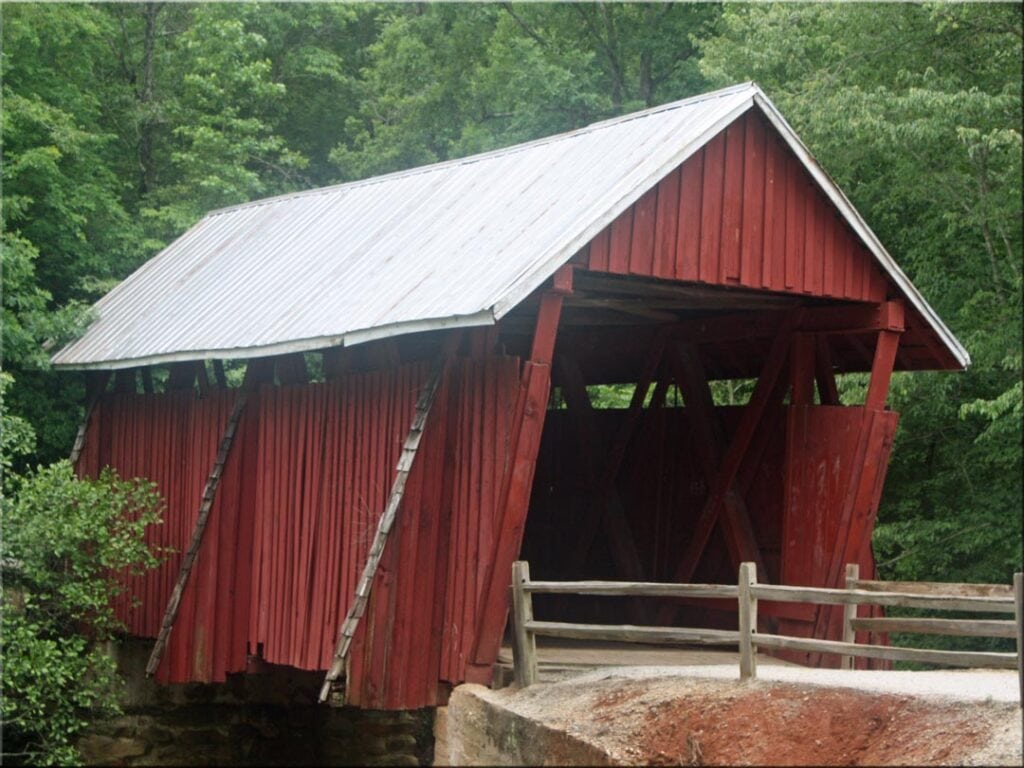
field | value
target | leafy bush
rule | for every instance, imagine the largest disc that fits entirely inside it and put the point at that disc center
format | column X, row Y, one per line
column 65, row 540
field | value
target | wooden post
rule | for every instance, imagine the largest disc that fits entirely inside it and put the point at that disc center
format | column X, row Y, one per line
column 850, row 613
column 1018, row 610
column 205, row 505
column 748, row 621
column 348, row 627
column 524, row 644
column 95, row 384
column 517, row 483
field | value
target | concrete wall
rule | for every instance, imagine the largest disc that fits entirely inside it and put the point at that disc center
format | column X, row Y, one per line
column 269, row 718
column 474, row 731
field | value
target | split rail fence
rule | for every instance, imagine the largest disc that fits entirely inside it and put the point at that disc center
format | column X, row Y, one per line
column 969, row 598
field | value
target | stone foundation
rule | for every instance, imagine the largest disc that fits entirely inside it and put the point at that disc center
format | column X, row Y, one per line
column 270, row 718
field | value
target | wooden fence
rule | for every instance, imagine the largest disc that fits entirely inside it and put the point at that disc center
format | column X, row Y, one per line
column 972, row 598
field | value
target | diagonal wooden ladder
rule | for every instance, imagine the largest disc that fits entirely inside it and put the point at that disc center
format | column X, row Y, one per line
column 384, row 525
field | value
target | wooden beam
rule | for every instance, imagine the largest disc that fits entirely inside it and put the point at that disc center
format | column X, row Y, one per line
column 336, row 362
column 202, row 377
column 348, row 627
column 691, row 295
column 710, row 447
column 749, row 422
column 612, row 512
column 626, row 306
column 219, row 375
column 259, row 370
column 542, row 348
column 801, row 363
column 205, row 506
column 95, row 384
column 562, row 282
column 881, row 369
column 291, row 369
column 514, row 497
column 618, row 530
column 125, row 382
column 660, row 392
column 636, row 405
column 181, row 375
column 824, row 374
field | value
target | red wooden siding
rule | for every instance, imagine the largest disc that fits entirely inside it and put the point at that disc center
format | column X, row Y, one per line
column 836, row 464
column 172, row 439
column 304, row 485
column 742, row 211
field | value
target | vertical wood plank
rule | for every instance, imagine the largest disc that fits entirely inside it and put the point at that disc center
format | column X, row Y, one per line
column 829, row 256
column 795, row 223
column 524, row 644
column 747, row 621
column 599, row 248
column 666, row 226
column 812, row 254
column 621, row 240
column 775, row 218
column 690, row 215
column 711, row 210
column 1018, row 610
column 755, row 201
column 849, row 614
column 814, row 242
column 732, row 202
column 641, row 254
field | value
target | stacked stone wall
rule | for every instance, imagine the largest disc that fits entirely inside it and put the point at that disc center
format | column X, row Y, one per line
column 266, row 718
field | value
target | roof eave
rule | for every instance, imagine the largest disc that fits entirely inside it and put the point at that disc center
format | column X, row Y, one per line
column 350, row 339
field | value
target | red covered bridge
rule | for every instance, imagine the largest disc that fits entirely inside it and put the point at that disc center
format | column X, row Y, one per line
column 414, row 412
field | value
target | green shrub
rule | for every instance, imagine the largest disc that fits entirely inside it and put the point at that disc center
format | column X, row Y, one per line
column 64, row 542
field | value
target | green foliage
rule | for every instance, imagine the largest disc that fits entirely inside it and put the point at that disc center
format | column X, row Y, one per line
column 64, row 542
column 443, row 81
column 124, row 123
column 916, row 112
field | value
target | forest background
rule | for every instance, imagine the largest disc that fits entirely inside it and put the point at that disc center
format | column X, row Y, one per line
column 123, row 124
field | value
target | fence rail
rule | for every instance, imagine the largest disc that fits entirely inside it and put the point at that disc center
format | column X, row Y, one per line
column 976, row 598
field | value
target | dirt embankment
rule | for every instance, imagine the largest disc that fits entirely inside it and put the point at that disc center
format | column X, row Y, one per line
column 790, row 725
column 699, row 721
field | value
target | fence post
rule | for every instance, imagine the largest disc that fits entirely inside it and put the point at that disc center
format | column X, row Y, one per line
column 849, row 614
column 524, row 644
column 1018, row 614
column 748, row 621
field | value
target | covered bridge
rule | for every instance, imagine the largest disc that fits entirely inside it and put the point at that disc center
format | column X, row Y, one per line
column 418, row 348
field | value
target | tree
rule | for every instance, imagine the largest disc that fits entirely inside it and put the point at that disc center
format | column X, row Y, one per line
column 443, row 81
column 916, row 112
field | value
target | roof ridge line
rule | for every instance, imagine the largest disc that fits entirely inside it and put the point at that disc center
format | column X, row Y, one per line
column 489, row 154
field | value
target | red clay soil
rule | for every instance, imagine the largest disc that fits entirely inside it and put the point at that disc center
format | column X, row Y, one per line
column 790, row 725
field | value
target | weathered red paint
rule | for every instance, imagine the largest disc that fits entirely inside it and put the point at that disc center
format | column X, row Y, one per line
column 794, row 486
column 304, row 484
column 742, row 211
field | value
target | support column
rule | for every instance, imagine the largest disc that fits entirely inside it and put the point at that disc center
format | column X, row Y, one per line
column 514, row 501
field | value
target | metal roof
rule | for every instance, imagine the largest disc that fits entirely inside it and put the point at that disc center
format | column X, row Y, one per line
column 453, row 244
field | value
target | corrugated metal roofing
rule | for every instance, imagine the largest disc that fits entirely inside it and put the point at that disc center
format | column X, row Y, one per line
column 457, row 243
